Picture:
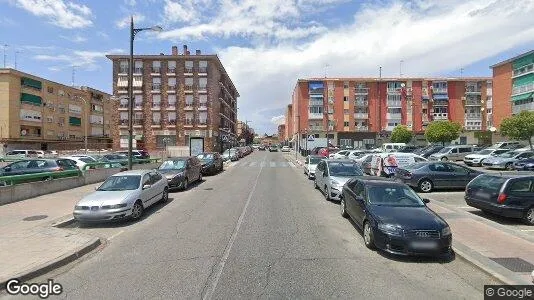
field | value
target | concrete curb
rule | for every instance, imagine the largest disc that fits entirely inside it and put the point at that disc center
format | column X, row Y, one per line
column 64, row 223
column 55, row 263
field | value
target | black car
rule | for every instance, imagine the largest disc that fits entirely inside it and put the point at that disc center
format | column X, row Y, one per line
column 394, row 218
column 181, row 171
column 212, row 163
column 408, row 149
column 262, row 148
column 429, row 151
column 507, row 196
column 524, row 165
column 137, row 154
column 427, row 176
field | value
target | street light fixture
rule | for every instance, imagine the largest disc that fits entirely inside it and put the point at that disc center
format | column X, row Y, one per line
column 133, row 32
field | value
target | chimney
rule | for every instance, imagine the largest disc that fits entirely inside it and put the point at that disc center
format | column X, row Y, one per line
column 197, row 52
column 188, row 52
column 174, row 50
column 185, row 49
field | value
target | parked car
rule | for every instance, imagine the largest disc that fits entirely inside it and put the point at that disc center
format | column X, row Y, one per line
column 273, row 148
column 262, row 148
column 33, row 166
column 124, row 195
column 365, row 163
column 115, row 158
column 137, row 154
column 181, row 171
column 394, row 218
column 212, row 163
column 392, row 147
column 356, row 154
column 408, row 149
column 524, row 165
column 506, row 145
column 20, row 154
column 429, row 176
column 331, row 175
column 452, row 153
column 285, row 149
column 342, row 154
column 429, row 151
column 506, row 160
column 507, row 196
column 386, row 164
column 81, row 161
column 476, row 159
column 239, row 152
column 310, row 165
column 231, row 154
column 51, row 153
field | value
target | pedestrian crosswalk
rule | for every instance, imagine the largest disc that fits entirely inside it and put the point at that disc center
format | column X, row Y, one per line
column 262, row 164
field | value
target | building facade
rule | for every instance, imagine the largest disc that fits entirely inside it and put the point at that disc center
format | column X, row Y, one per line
column 289, row 123
column 39, row 114
column 282, row 132
column 372, row 107
column 513, row 84
column 179, row 99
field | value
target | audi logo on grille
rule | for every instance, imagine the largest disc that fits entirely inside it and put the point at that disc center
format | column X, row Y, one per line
column 423, row 234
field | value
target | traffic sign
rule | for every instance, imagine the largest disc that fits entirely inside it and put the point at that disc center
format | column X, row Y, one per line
column 311, row 138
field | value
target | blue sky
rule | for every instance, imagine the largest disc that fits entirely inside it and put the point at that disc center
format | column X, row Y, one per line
column 266, row 45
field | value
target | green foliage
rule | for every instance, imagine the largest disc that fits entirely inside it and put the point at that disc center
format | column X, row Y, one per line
column 484, row 137
column 519, row 127
column 401, row 134
column 442, row 132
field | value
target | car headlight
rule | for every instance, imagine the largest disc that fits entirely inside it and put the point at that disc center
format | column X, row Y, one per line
column 114, row 206
column 334, row 184
column 78, row 207
column 446, row 231
column 390, row 229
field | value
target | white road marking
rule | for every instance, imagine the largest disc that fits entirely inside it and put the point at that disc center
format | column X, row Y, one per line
column 283, row 164
column 464, row 207
column 263, row 164
column 115, row 235
column 252, row 164
column 222, row 262
column 527, row 230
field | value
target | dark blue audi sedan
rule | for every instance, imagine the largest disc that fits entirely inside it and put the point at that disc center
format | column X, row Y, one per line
column 394, row 218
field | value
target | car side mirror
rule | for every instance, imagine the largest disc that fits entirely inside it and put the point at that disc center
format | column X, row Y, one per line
column 426, row 200
column 146, row 186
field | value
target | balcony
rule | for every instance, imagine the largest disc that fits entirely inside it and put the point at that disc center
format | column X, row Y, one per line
column 360, row 115
column 394, row 103
column 316, row 103
column 171, row 88
column 440, row 116
column 523, row 71
column 156, row 106
column 527, row 88
column 315, row 116
column 362, row 128
column 393, row 116
column 122, row 90
column 441, row 103
column 473, row 116
column 439, row 90
column 156, row 88
column 171, row 71
column 489, row 104
column 472, row 90
column 188, row 71
column 489, row 92
column 521, row 107
column 361, row 103
column 394, row 91
column 203, row 106
column 471, row 102
column 155, row 71
column 138, row 71
column 361, row 91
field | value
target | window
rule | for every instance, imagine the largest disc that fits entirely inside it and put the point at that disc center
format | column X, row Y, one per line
column 156, row 118
column 465, row 150
column 156, row 100
column 172, row 66
column 202, row 66
column 172, row 83
column 156, row 83
column 188, row 66
column 346, row 124
column 138, row 67
column 123, row 66
column 50, row 90
column 394, row 110
column 172, row 117
column 138, row 101
column 438, row 167
column 172, row 100
column 521, row 186
column 359, row 189
column 457, row 169
column 203, row 98
column 188, row 100
column 202, row 83
column 346, row 85
column 316, row 109
column 189, row 83
column 189, row 118
column 203, row 118
column 156, row 66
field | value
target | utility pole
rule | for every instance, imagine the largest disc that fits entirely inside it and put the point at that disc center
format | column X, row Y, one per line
column 73, row 74
column 5, row 47
column 379, row 127
column 297, row 142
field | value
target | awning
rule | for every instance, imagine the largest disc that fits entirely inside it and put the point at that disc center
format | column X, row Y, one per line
column 32, row 99
column 522, row 97
column 440, row 97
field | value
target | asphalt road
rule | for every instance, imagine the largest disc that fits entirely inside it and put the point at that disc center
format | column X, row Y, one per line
column 258, row 230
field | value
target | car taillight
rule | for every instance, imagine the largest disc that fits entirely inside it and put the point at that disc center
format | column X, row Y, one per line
column 501, row 198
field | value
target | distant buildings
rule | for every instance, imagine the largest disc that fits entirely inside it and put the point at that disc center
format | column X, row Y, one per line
column 37, row 113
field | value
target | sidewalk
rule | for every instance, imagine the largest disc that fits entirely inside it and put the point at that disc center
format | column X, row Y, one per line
column 31, row 245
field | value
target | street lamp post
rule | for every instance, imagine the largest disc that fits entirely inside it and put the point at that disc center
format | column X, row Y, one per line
column 133, row 32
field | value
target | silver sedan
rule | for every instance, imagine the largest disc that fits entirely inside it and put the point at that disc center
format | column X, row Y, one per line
column 124, row 195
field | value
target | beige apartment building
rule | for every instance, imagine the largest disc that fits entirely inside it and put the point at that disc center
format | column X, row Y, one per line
column 179, row 100
column 36, row 113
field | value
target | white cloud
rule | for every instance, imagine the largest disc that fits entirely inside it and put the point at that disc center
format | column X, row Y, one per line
column 76, row 38
column 84, row 59
column 430, row 38
column 278, row 120
column 65, row 14
column 130, row 2
column 181, row 11
column 125, row 22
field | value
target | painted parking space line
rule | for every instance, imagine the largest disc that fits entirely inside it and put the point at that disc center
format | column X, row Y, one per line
column 252, row 164
column 291, row 164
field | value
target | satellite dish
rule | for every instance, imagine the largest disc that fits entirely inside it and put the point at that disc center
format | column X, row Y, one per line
column 493, row 129
column 23, row 132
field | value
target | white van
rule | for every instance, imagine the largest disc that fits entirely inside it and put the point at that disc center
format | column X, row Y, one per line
column 385, row 164
column 392, row 147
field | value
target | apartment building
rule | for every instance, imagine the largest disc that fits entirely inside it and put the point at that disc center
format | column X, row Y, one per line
column 513, row 86
column 354, row 111
column 179, row 100
column 282, row 132
column 289, row 123
column 37, row 113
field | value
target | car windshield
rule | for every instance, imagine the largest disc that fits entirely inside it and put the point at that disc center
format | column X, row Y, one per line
column 121, row 183
column 172, row 165
column 444, row 150
column 509, row 154
column 485, row 152
column 315, row 160
column 86, row 159
column 344, row 169
column 393, row 195
column 205, row 156
column 487, row 182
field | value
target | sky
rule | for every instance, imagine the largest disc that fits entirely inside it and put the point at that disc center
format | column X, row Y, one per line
column 266, row 45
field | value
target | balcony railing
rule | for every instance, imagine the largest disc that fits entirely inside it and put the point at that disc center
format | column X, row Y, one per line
column 362, row 128
column 316, row 103
column 523, row 70
column 472, row 90
column 394, row 103
column 394, row 90
column 361, row 115
column 440, row 103
column 315, row 116
column 521, row 107
column 440, row 116
column 316, row 128
column 393, row 116
column 527, row 88
column 473, row 116
column 361, row 103
column 473, row 103
column 361, row 91
column 439, row 90
column 155, row 70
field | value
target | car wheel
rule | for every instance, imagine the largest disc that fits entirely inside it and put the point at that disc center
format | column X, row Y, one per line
column 481, row 162
column 444, row 158
column 509, row 167
column 529, row 216
column 368, row 236
column 137, row 210
column 200, row 177
column 425, row 186
column 326, row 193
column 343, row 208
column 186, row 184
column 315, row 186
column 165, row 197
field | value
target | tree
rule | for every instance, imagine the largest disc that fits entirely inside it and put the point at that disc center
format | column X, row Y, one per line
column 519, row 127
column 442, row 132
column 401, row 134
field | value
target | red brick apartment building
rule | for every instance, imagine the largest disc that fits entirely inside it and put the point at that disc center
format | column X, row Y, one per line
column 282, row 132
column 177, row 98
column 354, row 111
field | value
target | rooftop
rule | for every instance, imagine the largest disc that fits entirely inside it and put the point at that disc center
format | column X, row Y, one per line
column 394, row 79
column 512, row 59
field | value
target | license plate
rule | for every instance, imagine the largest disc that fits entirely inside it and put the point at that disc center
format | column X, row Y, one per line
column 482, row 194
column 424, row 245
